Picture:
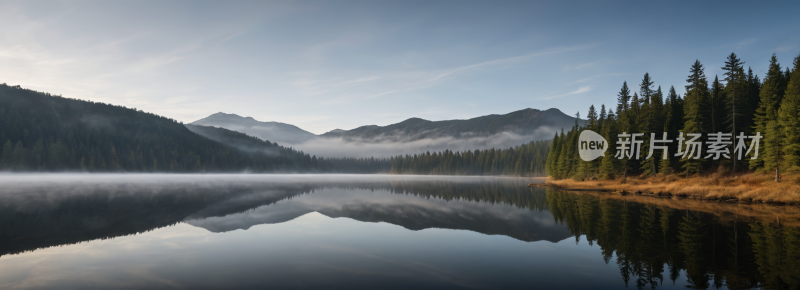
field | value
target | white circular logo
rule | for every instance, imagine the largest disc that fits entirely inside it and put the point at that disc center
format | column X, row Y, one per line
column 591, row 145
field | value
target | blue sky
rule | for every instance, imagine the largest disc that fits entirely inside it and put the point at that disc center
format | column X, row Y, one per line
column 323, row 65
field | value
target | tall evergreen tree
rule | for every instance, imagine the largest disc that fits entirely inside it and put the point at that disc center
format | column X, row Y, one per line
column 789, row 119
column 648, row 121
column 736, row 96
column 717, row 102
column 695, row 108
column 770, row 97
column 609, row 166
column 592, row 118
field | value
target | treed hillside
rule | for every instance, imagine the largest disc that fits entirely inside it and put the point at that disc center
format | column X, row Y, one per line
column 522, row 122
column 525, row 160
column 43, row 132
column 255, row 146
column 739, row 102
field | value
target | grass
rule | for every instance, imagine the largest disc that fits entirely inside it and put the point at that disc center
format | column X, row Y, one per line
column 744, row 187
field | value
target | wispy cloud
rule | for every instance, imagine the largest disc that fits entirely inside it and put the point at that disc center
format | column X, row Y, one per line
column 745, row 42
column 580, row 90
column 782, row 48
column 430, row 78
column 594, row 77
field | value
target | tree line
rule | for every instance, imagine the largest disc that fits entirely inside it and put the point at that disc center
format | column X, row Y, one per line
column 524, row 160
column 44, row 132
column 739, row 102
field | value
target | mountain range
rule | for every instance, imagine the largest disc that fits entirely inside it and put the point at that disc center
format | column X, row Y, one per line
column 523, row 122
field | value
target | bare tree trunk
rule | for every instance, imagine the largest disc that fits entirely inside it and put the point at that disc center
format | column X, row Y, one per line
column 777, row 173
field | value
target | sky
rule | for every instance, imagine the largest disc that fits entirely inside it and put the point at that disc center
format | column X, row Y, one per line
column 323, row 65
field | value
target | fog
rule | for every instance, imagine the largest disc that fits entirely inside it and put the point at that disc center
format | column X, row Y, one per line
column 387, row 147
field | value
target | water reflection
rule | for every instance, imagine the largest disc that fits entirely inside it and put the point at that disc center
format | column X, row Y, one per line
column 648, row 245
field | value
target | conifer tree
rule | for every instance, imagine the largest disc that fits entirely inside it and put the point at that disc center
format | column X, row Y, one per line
column 609, row 165
column 666, row 165
column 694, row 108
column 552, row 155
column 592, row 118
column 603, row 116
column 717, row 104
column 623, row 122
column 753, row 89
column 648, row 121
column 736, row 96
column 561, row 162
column 773, row 143
column 770, row 96
column 789, row 120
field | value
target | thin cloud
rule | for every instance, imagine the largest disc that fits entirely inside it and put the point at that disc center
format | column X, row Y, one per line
column 478, row 66
column 580, row 90
column 782, row 48
column 745, row 42
column 594, row 77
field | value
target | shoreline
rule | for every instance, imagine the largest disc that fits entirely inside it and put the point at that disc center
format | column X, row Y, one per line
column 745, row 188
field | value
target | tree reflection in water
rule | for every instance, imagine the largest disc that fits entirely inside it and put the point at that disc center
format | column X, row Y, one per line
column 651, row 243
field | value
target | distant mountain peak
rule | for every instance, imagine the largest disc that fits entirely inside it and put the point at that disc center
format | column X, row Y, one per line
column 280, row 133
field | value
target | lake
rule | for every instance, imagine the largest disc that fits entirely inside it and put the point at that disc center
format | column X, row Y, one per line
column 248, row 231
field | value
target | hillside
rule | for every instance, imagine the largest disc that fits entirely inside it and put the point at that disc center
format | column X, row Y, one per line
column 273, row 131
column 522, row 122
column 43, row 132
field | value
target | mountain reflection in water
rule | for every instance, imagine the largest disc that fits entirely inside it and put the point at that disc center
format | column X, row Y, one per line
column 556, row 237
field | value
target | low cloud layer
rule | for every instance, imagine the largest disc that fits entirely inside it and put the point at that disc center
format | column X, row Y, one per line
column 339, row 147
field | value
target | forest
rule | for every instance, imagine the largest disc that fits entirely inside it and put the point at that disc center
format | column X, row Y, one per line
column 44, row 132
column 525, row 160
column 738, row 103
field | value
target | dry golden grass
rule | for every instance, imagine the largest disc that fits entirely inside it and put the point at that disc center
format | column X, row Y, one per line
column 726, row 211
column 745, row 187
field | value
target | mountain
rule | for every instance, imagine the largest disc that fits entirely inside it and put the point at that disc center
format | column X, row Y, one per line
column 44, row 132
column 280, row 133
column 522, row 122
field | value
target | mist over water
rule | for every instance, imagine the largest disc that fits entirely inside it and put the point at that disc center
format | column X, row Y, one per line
column 244, row 231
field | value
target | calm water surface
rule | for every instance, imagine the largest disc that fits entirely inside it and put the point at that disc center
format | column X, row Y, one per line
column 368, row 231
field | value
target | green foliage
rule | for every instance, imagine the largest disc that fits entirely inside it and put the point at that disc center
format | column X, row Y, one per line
column 789, row 120
column 524, row 160
column 770, row 97
column 695, row 112
column 43, row 132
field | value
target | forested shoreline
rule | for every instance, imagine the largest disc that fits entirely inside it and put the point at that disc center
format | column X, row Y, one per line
column 525, row 160
column 738, row 103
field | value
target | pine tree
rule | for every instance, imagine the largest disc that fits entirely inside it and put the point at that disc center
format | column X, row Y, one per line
column 609, row 165
column 736, row 96
column 592, row 118
column 666, row 165
column 789, row 120
column 552, row 156
column 603, row 117
column 717, row 105
column 648, row 121
column 694, row 108
column 623, row 122
column 752, row 100
column 770, row 96
column 773, row 143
